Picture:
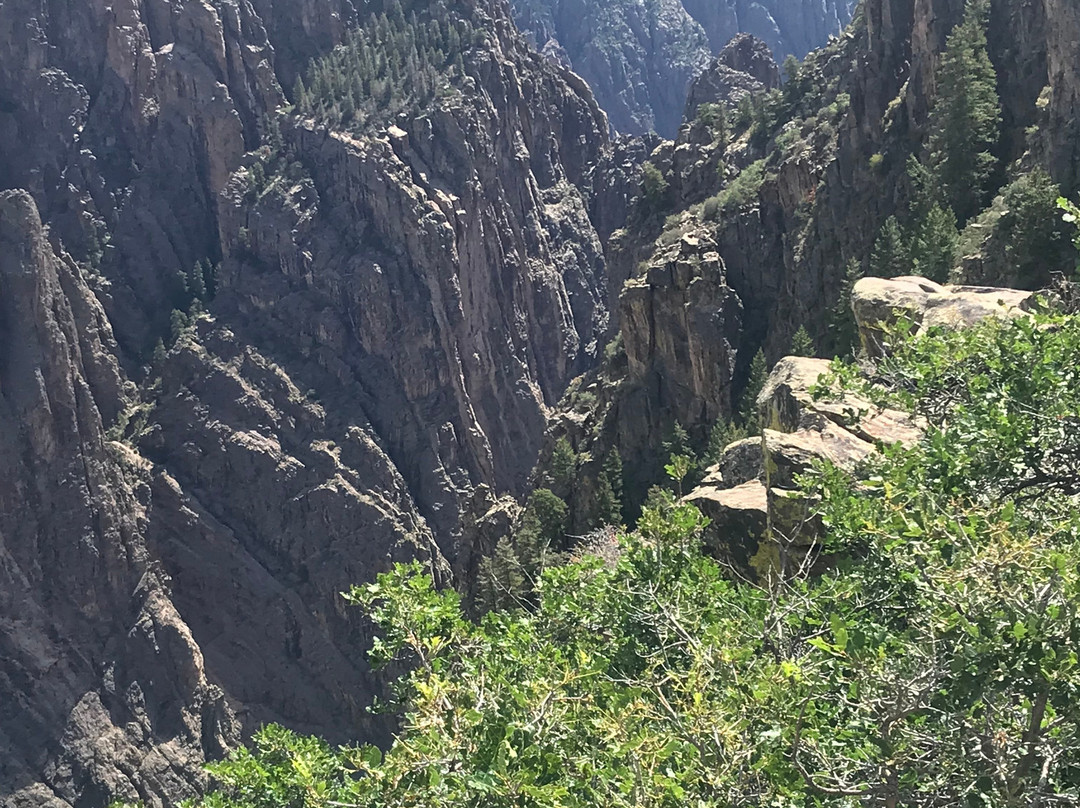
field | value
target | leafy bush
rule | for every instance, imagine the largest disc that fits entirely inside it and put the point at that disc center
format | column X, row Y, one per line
column 740, row 192
column 654, row 189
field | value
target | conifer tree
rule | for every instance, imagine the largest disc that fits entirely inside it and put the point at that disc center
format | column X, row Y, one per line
column 196, row 282
column 932, row 244
column 502, row 579
column 562, row 470
column 889, row 258
column 965, row 120
column 542, row 530
column 802, row 344
column 755, row 381
column 842, row 326
column 723, row 434
column 609, row 491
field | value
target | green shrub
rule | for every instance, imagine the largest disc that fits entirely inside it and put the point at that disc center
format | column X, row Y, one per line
column 744, row 189
column 654, row 189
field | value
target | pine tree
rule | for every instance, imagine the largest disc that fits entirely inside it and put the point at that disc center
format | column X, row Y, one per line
column 502, row 579
column 842, row 326
column 542, row 530
column 178, row 322
column 608, row 509
column 301, row 97
column 965, row 120
column 932, row 245
column 721, row 436
column 802, row 344
column 196, row 282
column 755, row 381
column 677, row 442
column 562, row 470
column 889, row 258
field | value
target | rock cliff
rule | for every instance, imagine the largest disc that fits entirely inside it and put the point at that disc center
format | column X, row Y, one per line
column 105, row 690
column 358, row 336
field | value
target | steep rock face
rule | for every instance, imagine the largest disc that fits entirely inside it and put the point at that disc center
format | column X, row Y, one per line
column 678, row 326
column 640, row 58
column 106, row 103
column 382, row 338
column 448, row 269
column 105, row 691
column 788, row 26
column 1064, row 119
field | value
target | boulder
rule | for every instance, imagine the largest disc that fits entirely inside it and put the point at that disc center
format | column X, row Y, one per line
column 742, row 462
column 786, row 398
column 786, row 404
column 879, row 303
column 789, row 454
column 738, row 521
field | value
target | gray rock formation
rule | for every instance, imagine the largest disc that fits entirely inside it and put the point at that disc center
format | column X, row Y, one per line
column 759, row 519
column 879, row 303
column 105, row 691
column 640, row 58
column 744, row 67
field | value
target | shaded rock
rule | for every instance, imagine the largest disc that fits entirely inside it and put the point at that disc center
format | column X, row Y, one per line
column 641, row 58
column 678, row 323
column 742, row 462
column 738, row 520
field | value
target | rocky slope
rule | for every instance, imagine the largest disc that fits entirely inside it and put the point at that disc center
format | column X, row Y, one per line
column 640, row 58
column 105, row 690
column 362, row 363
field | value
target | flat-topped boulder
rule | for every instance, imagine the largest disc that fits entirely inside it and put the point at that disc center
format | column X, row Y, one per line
column 738, row 520
column 879, row 302
column 787, row 403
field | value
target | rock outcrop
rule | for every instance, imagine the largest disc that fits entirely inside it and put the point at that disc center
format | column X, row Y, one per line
column 879, row 304
column 744, row 67
column 759, row 518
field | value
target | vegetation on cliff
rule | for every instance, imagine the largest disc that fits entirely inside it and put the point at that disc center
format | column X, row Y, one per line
column 393, row 63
